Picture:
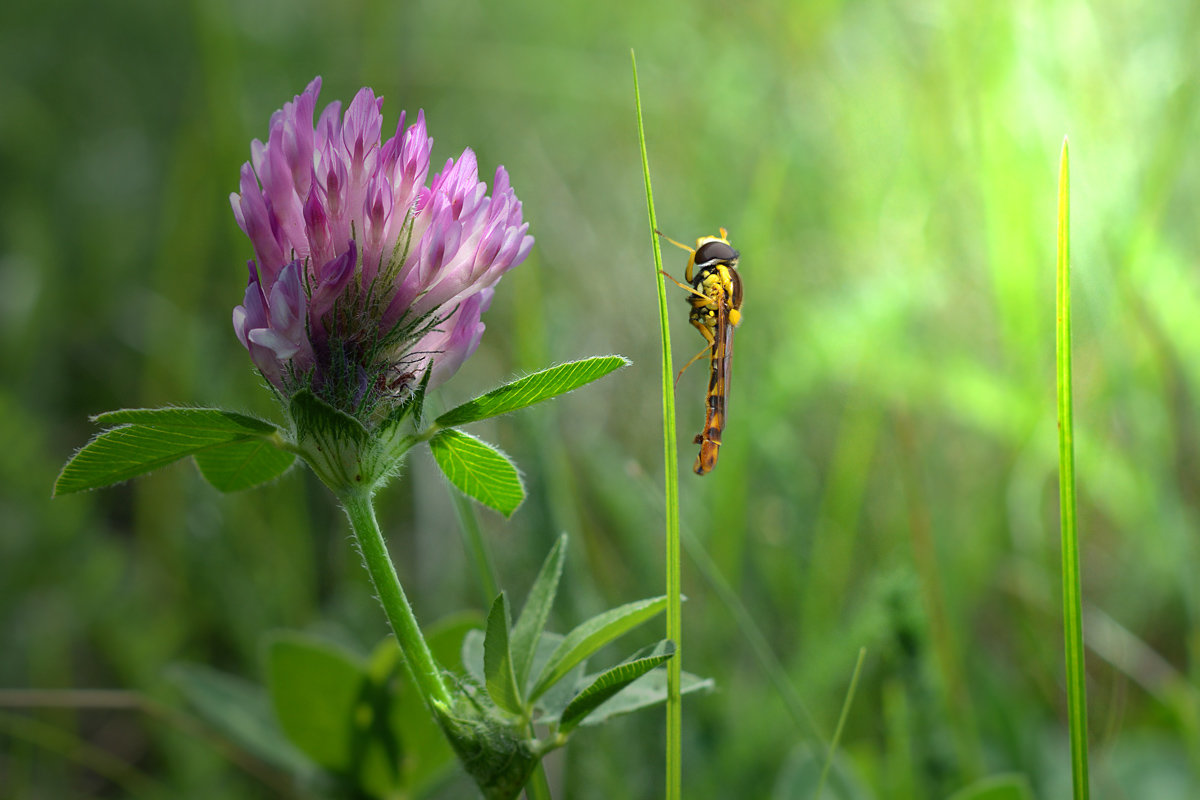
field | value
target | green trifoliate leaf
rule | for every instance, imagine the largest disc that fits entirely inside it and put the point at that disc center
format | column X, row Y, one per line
column 478, row 470
column 195, row 419
column 532, row 389
column 593, row 634
column 533, row 617
column 610, row 682
column 149, row 438
column 498, row 673
column 242, row 464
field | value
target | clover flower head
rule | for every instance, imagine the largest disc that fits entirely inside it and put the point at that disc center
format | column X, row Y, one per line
column 366, row 275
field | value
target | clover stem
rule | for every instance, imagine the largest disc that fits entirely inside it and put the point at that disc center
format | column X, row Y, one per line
column 418, row 660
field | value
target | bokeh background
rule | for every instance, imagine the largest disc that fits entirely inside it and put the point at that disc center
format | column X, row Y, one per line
column 889, row 475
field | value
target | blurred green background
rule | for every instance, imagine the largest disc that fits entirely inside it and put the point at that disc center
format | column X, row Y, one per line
column 889, row 474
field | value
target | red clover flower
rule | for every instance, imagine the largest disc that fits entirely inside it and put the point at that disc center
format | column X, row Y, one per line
column 364, row 277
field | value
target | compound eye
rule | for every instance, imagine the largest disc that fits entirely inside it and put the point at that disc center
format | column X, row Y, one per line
column 710, row 252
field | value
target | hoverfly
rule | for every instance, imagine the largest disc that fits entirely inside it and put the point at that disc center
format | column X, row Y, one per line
column 715, row 294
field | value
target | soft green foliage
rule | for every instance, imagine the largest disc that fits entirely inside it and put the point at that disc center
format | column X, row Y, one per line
column 315, row 689
column 556, row 689
column 996, row 787
column 532, row 389
column 889, row 471
column 233, row 451
column 647, row 691
column 240, row 711
column 478, row 470
column 327, row 709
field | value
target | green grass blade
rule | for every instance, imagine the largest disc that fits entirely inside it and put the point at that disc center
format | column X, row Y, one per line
column 841, row 725
column 674, row 755
column 532, row 389
column 1072, row 593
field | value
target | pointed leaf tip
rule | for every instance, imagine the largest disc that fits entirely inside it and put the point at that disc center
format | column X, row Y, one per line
column 532, row 389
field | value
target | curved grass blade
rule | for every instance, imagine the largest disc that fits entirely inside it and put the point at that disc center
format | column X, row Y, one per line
column 532, row 389
column 478, row 470
column 674, row 577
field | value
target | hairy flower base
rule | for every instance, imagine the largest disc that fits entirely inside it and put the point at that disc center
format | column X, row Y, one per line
column 494, row 752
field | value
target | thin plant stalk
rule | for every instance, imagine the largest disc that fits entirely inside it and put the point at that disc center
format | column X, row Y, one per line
column 1072, row 593
column 841, row 724
column 674, row 762
column 418, row 661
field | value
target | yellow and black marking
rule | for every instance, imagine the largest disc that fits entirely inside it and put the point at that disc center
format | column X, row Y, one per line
column 715, row 294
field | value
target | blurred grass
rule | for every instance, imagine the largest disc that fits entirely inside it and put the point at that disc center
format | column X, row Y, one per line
column 888, row 175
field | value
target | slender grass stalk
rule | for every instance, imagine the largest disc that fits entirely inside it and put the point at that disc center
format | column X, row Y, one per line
column 837, row 732
column 1072, row 594
column 674, row 765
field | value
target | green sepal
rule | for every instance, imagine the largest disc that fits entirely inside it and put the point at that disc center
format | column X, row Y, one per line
column 337, row 446
column 494, row 752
